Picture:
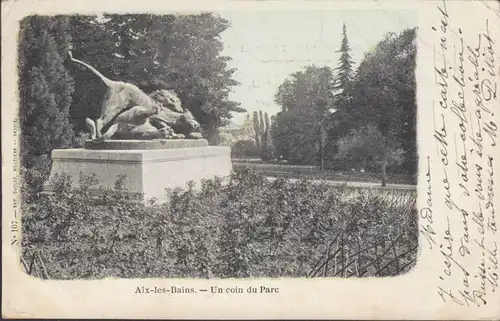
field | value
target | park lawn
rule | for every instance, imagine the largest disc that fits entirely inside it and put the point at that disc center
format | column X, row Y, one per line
column 315, row 173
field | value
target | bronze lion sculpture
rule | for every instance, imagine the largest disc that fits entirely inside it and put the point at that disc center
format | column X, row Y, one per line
column 129, row 113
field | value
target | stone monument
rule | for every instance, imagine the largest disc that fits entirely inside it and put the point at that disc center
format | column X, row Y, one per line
column 150, row 139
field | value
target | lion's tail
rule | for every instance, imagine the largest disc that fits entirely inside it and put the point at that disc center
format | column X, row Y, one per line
column 106, row 81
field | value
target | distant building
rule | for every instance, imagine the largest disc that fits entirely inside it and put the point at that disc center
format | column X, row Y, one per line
column 232, row 133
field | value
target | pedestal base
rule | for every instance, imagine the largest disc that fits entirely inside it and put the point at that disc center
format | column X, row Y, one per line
column 148, row 172
column 133, row 144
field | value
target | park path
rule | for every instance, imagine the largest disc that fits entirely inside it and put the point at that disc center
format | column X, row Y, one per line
column 353, row 184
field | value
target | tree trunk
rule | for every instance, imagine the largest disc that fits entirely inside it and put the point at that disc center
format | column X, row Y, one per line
column 322, row 156
column 322, row 145
column 384, row 172
column 322, row 164
column 211, row 134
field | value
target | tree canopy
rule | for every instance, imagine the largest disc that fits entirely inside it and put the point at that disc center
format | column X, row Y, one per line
column 385, row 92
column 305, row 98
column 306, row 89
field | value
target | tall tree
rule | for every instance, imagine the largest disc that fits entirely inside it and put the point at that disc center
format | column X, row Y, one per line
column 263, row 131
column 385, row 92
column 346, row 65
column 268, row 151
column 45, row 87
column 262, row 123
column 257, row 129
column 266, row 120
column 305, row 98
column 45, row 90
column 268, row 146
column 295, row 137
column 338, row 125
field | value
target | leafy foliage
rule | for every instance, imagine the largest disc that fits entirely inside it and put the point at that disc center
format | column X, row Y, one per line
column 249, row 227
column 308, row 89
column 245, row 148
column 386, row 85
column 369, row 145
column 305, row 98
column 298, row 144
column 33, row 178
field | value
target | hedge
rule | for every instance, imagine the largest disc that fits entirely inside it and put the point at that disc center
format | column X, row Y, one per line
column 249, row 227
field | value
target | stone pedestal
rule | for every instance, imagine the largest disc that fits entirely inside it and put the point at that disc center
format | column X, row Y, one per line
column 148, row 171
column 145, row 144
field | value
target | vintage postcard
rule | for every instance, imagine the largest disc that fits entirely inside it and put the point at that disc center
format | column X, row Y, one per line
column 250, row 159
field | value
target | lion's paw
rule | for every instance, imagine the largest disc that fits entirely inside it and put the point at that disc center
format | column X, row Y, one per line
column 166, row 132
column 196, row 136
column 178, row 136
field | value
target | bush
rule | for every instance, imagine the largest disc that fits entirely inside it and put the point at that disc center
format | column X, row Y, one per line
column 32, row 178
column 249, row 227
column 245, row 148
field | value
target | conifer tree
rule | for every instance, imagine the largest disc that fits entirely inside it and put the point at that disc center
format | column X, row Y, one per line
column 45, row 88
column 263, row 132
column 256, row 127
column 266, row 119
column 268, row 146
column 262, row 124
column 342, row 90
column 346, row 65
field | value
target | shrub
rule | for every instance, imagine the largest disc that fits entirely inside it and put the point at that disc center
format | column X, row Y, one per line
column 32, row 178
column 245, row 148
column 249, row 227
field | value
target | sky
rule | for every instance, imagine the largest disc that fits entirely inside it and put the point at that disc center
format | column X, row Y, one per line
column 267, row 46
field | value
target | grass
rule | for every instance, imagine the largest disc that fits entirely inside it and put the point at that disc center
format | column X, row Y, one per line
column 314, row 173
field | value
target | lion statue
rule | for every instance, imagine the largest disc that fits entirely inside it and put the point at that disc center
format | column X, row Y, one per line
column 129, row 113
